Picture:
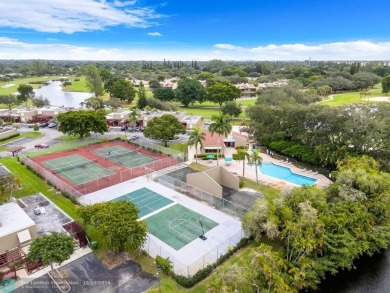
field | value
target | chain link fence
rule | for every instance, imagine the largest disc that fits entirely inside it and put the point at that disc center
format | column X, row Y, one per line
column 154, row 248
column 221, row 204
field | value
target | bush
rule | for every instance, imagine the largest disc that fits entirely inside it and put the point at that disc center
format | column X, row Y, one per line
column 35, row 127
column 296, row 150
column 9, row 137
column 241, row 184
column 165, row 264
column 204, row 156
column 200, row 275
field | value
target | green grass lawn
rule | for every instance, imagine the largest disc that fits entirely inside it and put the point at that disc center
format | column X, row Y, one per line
column 77, row 86
column 353, row 97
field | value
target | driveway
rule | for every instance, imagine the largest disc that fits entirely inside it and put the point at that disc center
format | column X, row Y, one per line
column 89, row 275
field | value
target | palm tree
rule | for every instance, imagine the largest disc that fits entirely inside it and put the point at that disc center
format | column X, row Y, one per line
column 133, row 117
column 196, row 138
column 221, row 125
column 257, row 160
column 8, row 185
column 242, row 154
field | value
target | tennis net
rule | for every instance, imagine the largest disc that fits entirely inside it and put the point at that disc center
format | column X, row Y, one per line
column 118, row 156
column 76, row 166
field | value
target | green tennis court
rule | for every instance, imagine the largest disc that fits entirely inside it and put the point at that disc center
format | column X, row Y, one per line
column 124, row 156
column 77, row 169
column 177, row 226
column 146, row 200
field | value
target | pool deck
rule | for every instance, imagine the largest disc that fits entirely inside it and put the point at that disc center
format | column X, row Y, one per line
column 250, row 171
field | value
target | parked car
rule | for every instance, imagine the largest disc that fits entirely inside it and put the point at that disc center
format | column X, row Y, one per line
column 124, row 127
column 133, row 137
column 41, row 146
column 43, row 124
column 52, row 125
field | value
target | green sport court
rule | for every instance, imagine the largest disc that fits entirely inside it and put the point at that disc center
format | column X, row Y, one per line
column 177, row 226
column 77, row 169
column 124, row 156
column 146, row 200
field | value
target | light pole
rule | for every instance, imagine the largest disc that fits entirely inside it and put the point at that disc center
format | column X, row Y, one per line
column 201, row 225
column 159, row 278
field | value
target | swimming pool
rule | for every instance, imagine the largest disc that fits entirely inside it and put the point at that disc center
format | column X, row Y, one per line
column 285, row 174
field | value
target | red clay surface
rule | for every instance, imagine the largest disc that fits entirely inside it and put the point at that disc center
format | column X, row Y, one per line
column 121, row 173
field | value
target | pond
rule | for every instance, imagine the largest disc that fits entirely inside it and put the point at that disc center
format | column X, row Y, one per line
column 57, row 97
column 371, row 275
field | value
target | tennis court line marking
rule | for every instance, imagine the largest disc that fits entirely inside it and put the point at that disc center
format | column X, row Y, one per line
column 157, row 211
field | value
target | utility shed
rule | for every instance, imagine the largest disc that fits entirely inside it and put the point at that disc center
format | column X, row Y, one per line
column 16, row 227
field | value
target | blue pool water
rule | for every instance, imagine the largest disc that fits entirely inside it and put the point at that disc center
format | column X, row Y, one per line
column 285, row 174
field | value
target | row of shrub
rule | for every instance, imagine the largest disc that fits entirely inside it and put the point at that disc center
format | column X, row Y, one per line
column 204, row 156
column 295, row 150
column 188, row 282
column 9, row 137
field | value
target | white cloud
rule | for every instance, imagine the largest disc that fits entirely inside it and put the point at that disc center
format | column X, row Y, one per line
column 69, row 16
column 354, row 50
column 155, row 34
column 11, row 48
column 228, row 47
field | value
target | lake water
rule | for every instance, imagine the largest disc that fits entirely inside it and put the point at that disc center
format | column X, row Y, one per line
column 372, row 275
column 57, row 97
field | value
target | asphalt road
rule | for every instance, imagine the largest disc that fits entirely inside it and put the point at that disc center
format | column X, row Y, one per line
column 88, row 275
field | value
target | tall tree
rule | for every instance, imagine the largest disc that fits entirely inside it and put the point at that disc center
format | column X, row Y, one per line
column 26, row 92
column 256, row 159
column 164, row 127
column 386, row 84
column 94, row 102
column 189, row 91
column 8, row 100
column 196, row 138
column 82, row 122
column 53, row 248
column 40, row 102
column 122, row 90
column 242, row 155
column 8, row 185
column 220, row 125
column 119, row 224
column 222, row 92
column 164, row 94
column 142, row 102
column 94, row 81
column 232, row 109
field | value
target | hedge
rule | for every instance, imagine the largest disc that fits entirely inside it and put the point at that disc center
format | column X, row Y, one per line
column 9, row 137
column 296, row 150
column 204, row 156
column 200, row 275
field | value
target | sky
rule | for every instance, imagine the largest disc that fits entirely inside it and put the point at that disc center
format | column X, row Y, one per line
column 195, row 30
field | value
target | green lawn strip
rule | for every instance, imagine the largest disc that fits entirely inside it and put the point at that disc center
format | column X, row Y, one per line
column 77, row 86
column 353, row 97
column 181, row 147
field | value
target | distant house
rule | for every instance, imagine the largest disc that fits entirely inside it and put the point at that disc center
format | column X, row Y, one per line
column 211, row 145
column 246, row 87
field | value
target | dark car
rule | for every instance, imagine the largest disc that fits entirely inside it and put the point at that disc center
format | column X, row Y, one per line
column 43, row 124
column 124, row 127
